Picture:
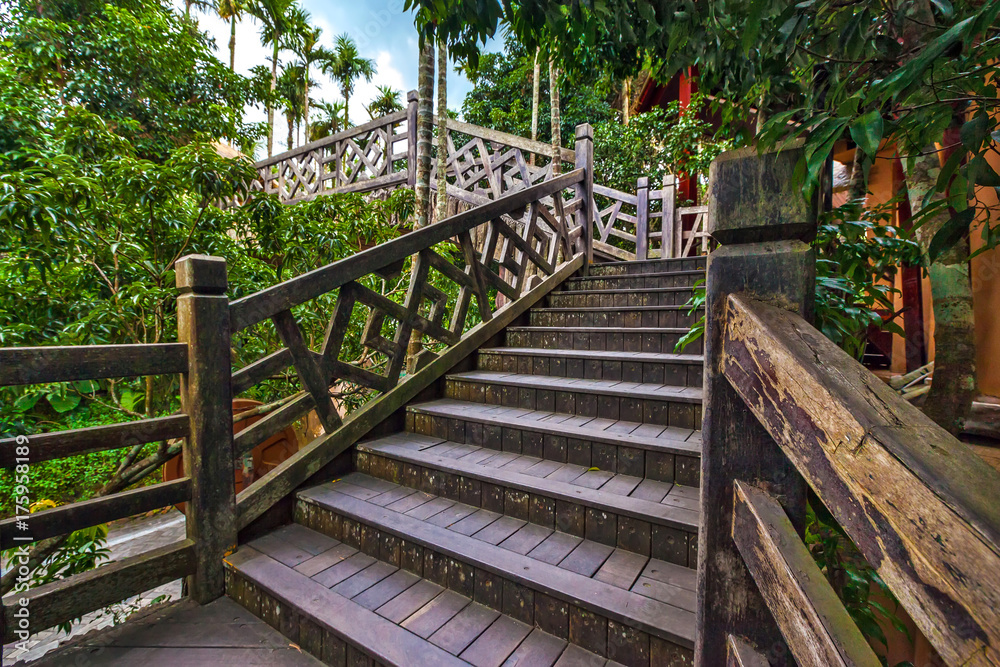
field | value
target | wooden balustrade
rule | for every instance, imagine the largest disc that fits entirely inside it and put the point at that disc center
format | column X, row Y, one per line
column 74, row 596
column 784, row 408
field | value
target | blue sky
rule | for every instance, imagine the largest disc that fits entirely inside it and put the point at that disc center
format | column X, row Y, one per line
column 383, row 31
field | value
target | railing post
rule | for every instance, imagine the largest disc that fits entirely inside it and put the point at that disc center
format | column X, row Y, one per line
column 668, row 219
column 585, row 161
column 762, row 223
column 206, row 397
column 411, row 138
column 641, row 217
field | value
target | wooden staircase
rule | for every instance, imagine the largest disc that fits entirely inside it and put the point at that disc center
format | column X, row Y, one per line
column 542, row 509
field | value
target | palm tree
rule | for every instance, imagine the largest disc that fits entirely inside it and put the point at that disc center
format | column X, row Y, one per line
column 442, row 138
column 276, row 18
column 347, row 66
column 291, row 89
column 555, row 116
column 388, row 101
column 309, row 51
column 330, row 122
column 230, row 10
column 536, row 75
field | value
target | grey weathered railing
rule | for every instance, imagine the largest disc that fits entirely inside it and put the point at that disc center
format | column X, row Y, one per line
column 206, row 426
column 483, row 165
column 785, row 408
column 530, row 230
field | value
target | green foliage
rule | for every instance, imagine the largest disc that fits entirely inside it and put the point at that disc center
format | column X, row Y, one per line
column 501, row 95
column 904, row 73
column 856, row 583
column 655, row 143
column 858, row 255
column 696, row 304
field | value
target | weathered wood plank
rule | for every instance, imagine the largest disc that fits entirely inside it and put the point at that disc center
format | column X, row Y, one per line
column 80, row 594
column 39, row 365
column 281, row 481
column 272, row 424
column 742, row 654
column 67, row 518
column 60, row 444
column 512, row 140
column 811, row 617
column 878, row 464
column 264, row 304
column 252, row 374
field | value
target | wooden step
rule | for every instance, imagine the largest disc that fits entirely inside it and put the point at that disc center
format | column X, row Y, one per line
column 665, row 454
column 350, row 608
column 654, row 340
column 665, row 405
column 643, row 516
column 682, row 370
column 649, row 266
column 629, row 317
column 612, row 602
column 661, row 296
column 632, row 281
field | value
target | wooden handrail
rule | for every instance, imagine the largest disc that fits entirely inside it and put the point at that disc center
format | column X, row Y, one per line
column 919, row 504
column 40, row 365
column 255, row 308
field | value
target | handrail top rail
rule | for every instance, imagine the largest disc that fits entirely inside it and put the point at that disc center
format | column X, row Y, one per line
column 512, row 140
column 254, row 308
column 394, row 117
column 69, row 363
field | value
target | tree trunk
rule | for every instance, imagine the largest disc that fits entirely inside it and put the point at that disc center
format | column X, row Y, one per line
column 555, row 117
column 305, row 107
column 347, row 109
column 291, row 129
column 270, row 102
column 626, row 100
column 232, row 43
column 536, row 76
column 953, row 389
column 425, row 124
column 442, row 129
column 859, row 184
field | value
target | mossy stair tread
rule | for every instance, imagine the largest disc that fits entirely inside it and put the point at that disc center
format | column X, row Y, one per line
column 638, row 390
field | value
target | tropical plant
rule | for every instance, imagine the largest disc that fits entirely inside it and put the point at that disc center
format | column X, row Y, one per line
column 291, row 90
column 309, row 51
column 230, row 10
column 330, row 122
column 277, row 20
column 388, row 101
column 346, row 66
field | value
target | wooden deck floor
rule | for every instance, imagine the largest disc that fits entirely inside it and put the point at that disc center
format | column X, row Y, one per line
column 184, row 634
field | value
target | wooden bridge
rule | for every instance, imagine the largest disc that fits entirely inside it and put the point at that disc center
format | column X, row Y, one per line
column 555, row 485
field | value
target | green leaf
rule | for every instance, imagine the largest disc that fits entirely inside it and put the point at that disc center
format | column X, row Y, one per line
column 974, row 132
column 86, row 386
column 945, row 8
column 951, row 233
column 981, row 173
column 867, row 132
column 63, row 402
column 28, row 401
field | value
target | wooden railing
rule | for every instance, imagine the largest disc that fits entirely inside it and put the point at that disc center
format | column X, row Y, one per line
column 786, row 411
column 207, row 485
column 483, row 165
column 534, row 238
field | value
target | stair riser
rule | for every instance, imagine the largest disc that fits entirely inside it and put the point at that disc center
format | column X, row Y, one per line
column 618, row 318
column 532, row 606
column 636, row 461
column 633, row 282
column 618, row 299
column 632, row 268
column 680, row 375
column 648, row 411
column 668, row 543
column 300, row 629
column 657, row 342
